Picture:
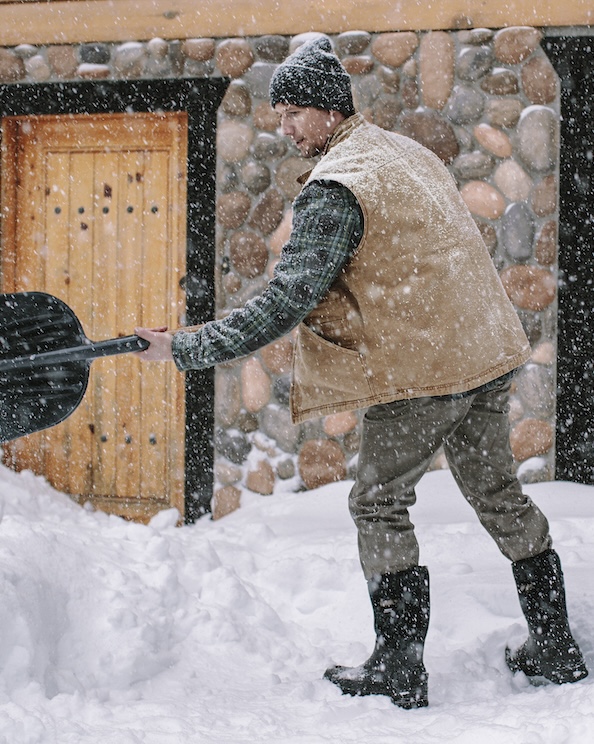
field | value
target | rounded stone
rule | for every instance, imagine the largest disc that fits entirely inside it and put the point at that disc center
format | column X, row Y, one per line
column 536, row 385
column 89, row 71
column 237, row 100
column 465, row 105
column 530, row 438
column 62, row 60
column 158, row 48
column 233, row 209
column 258, row 77
column 431, row 130
column 513, row 181
column 267, row 146
column 226, row 473
column 513, row 45
column 231, row 283
column 386, row 111
column 233, row 445
column 265, row 117
column 321, row 461
column 537, row 138
column 129, row 59
column 475, row 36
column 500, row 82
column 278, row 356
column 287, row 174
column 275, row 422
column 544, row 197
column 272, row 48
column 225, row 501
column 529, row 287
column 539, row 81
column 474, row 62
column 260, row 479
column 483, row 199
column 233, row 57
column 517, row 231
column 472, row 166
column 199, row 50
column 338, row 424
column 493, row 140
column 268, row 212
column 94, row 54
column 410, row 93
column 503, row 112
column 544, row 353
column 247, row 422
column 303, row 38
column 285, row 469
column 393, row 49
column 233, row 140
column 248, row 253
column 545, row 249
column 12, row 67
column 227, row 398
column 37, row 68
column 359, row 65
column 282, row 390
column 25, row 51
column 352, row 42
column 256, row 176
column 436, row 68
column 255, row 385
column 389, row 78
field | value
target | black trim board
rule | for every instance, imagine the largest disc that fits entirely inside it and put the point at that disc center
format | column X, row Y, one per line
column 573, row 58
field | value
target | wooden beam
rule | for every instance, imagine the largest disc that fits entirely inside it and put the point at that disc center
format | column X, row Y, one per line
column 77, row 21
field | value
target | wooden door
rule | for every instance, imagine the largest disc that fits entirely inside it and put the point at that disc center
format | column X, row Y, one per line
column 95, row 212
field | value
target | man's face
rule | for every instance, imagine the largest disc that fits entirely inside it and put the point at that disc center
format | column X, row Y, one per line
column 309, row 128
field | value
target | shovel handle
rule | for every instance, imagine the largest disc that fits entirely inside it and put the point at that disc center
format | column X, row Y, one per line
column 89, row 351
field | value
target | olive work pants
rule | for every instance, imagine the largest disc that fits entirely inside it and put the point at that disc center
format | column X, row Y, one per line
column 398, row 442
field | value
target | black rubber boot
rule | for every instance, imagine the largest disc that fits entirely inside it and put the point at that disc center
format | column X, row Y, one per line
column 400, row 604
column 550, row 650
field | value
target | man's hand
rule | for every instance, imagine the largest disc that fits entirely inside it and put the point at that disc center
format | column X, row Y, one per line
column 160, row 344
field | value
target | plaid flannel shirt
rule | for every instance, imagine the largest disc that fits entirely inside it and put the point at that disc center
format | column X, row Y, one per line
column 327, row 229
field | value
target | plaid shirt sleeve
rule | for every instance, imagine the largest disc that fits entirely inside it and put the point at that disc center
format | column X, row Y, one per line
column 326, row 231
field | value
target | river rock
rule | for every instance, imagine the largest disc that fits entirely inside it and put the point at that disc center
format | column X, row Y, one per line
column 321, row 461
column 514, row 44
column 393, row 49
column 436, row 68
column 517, row 231
column 537, row 138
column 529, row 287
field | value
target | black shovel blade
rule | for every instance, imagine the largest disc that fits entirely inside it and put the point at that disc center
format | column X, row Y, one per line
column 44, row 361
column 40, row 396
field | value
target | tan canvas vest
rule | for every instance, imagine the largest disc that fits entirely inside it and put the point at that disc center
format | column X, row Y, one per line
column 420, row 310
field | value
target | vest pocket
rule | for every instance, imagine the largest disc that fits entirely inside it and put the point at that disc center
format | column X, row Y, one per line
column 325, row 374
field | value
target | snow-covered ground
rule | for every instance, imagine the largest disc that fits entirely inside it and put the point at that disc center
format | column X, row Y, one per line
column 220, row 632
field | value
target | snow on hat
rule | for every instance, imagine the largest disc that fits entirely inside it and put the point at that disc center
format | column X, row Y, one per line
column 313, row 76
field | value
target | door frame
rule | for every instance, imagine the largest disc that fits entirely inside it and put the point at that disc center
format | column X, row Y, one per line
column 200, row 98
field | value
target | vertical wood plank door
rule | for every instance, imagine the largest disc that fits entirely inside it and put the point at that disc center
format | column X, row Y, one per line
column 95, row 211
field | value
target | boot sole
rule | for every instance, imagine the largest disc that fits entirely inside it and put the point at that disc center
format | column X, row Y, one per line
column 556, row 676
column 415, row 697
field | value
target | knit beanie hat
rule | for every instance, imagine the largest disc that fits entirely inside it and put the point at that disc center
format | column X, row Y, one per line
column 313, row 76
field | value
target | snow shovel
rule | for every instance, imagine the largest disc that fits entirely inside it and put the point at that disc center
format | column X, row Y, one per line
column 45, row 359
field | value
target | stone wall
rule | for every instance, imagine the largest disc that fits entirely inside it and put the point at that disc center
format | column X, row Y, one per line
column 486, row 102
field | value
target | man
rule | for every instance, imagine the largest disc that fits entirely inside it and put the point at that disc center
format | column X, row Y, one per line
column 401, row 312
